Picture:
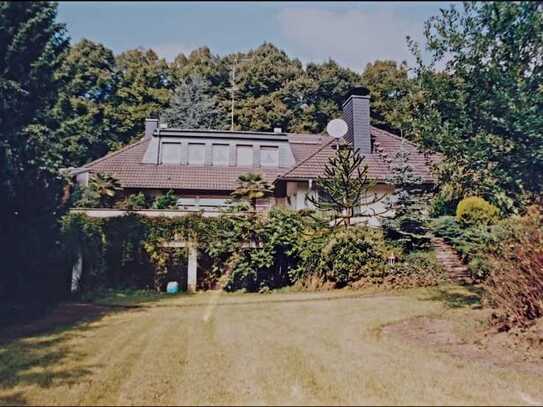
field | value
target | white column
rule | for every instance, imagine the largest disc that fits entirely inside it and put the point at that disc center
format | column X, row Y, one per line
column 77, row 271
column 192, row 267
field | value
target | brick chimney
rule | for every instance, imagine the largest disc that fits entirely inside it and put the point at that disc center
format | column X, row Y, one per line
column 356, row 112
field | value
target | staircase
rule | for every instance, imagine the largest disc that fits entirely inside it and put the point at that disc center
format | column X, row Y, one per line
column 448, row 257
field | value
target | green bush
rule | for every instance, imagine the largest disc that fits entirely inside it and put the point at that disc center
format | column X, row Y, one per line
column 408, row 232
column 471, row 241
column 476, row 211
column 275, row 251
column 166, row 201
column 416, row 269
column 344, row 255
column 133, row 202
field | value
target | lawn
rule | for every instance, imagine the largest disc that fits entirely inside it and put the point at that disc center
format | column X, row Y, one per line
column 283, row 348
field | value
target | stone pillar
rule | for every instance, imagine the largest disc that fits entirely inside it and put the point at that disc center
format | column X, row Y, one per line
column 77, row 271
column 192, row 267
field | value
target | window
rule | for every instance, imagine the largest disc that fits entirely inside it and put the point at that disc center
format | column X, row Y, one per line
column 269, row 156
column 197, row 154
column 171, row 153
column 221, row 154
column 244, row 156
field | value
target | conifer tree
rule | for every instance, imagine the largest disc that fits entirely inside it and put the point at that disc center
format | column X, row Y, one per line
column 345, row 187
column 406, row 204
column 193, row 107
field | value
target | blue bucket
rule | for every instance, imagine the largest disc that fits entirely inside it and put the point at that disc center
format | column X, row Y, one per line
column 172, row 287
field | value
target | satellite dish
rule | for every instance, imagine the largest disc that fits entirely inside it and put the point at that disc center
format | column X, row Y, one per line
column 337, row 128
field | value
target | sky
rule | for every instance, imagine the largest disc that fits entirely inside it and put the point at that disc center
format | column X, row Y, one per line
column 351, row 33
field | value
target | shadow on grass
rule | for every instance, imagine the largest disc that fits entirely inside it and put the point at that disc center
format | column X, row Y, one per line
column 40, row 353
column 15, row 398
column 457, row 296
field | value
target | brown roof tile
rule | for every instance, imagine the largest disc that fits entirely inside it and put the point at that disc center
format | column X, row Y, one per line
column 385, row 145
column 311, row 153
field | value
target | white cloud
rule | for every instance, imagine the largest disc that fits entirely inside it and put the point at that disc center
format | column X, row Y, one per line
column 352, row 38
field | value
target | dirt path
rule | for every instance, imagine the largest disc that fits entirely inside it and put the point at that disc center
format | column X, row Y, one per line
column 253, row 349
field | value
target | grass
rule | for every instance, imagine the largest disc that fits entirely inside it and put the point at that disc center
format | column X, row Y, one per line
column 124, row 297
column 284, row 348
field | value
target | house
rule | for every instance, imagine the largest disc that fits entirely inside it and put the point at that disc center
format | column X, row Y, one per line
column 203, row 166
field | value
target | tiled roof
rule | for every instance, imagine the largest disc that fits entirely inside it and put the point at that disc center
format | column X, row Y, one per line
column 126, row 166
column 311, row 153
column 385, row 145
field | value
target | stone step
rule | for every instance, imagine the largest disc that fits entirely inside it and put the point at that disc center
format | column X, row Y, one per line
column 448, row 257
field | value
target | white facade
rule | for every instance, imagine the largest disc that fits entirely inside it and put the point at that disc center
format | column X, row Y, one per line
column 299, row 191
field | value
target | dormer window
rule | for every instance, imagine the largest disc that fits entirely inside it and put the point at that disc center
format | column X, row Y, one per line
column 197, row 154
column 221, row 154
column 244, row 156
column 269, row 156
column 171, row 153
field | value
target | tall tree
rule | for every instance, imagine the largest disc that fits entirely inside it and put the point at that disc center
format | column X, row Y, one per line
column 86, row 123
column 32, row 45
column 346, row 187
column 390, row 89
column 484, row 110
column 193, row 107
column 407, row 204
column 144, row 90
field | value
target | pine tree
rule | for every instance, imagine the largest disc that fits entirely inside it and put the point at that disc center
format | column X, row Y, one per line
column 193, row 107
column 407, row 204
column 345, row 187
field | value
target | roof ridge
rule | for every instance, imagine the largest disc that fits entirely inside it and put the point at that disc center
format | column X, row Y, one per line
column 313, row 154
column 113, row 153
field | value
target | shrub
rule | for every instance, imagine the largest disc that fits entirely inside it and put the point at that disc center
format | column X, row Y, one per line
column 344, row 255
column 275, row 250
column 416, row 269
column 471, row 242
column 133, row 201
column 515, row 282
column 408, row 232
column 166, row 201
column 476, row 211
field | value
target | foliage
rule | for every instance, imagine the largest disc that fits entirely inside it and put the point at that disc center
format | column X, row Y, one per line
column 342, row 256
column 133, row 202
column 406, row 226
column 471, row 241
column 416, row 269
column 143, row 91
column 257, row 252
column 32, row 46
column 84, row 113
column 166, row 201
column 390, row 90
column 515, row 282
column 192, row 106
column 100, row 192
column 251, row 187
column 475, row 210
column 483, row 109
column 345, row 186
